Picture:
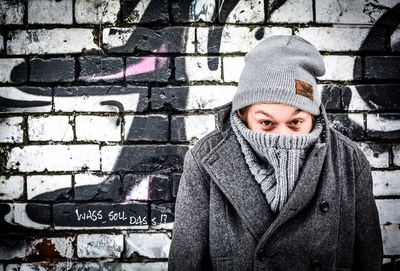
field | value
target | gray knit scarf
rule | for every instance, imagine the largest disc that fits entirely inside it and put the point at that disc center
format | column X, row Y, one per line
column 274, row 159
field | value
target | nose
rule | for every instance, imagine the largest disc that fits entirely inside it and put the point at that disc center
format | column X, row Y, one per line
column 282, row 129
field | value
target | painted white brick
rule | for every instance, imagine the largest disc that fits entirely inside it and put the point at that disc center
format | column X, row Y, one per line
column 88, row 179
column 376, row 158
column 233, row 67
column 96, row 11
column 63, row 246
column 202, row 10
column 52, row 265
column 50, row 41
column 11, row 187
column 39, row 184
column 116, row 37
column 191, row 43
column 196, row 126
column 350, row 12
column 391, row 239
column 50, row 12
column 6, row 67
column 395, row 40
column 197, row 69
column 153, row 245
column 109, row 156
column 56, row 128
column 119, row 36
column 54, row 158
column 388, row 210
column 18, row 216
column 92, row 103
column 375, row 122
column 101, row 128
column 386, row 183
column 335, row 39
column 338, row 68
column 16, row 94
column 293, row 11
column 208, row 97
column 100, row 245
column 146, row 266
column 12, row 12
column 396, row 155
column 356, row 102
column 11, row 129
column 236, row 38
column 249, row 11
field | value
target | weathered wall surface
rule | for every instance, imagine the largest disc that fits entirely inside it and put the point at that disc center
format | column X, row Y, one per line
column 100, row 100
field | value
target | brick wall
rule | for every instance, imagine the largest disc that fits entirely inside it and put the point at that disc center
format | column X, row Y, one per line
column 100, row 100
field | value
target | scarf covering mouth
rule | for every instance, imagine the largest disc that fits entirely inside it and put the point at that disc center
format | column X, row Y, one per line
column 274, row 160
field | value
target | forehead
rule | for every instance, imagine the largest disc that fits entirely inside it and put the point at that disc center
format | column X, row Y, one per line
column 273, row 109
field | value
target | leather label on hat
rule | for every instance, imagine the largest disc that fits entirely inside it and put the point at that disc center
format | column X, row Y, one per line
column 304, row 89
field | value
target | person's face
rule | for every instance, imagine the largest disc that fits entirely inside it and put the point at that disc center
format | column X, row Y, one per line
column 277, row 119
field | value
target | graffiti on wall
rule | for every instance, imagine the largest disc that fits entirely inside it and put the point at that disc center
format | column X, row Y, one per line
column 121, row 200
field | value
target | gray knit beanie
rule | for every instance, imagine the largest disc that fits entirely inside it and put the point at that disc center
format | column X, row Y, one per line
column 281, row 69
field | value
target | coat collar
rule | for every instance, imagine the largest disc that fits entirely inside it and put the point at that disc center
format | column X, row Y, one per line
column 226, row 164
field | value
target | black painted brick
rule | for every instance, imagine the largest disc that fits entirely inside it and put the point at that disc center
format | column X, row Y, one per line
column 156, row 11
column 331, row 97
column 151, row 40
column 162, row 213
column 180, row 10
column 11, row 246
column 104, row 91
column 175, row 183
column 59, row 194
column 151, row 157
column 100, row 66
column 161, row 73
column 382, row 67
column 375, row 41
column 160, row 188
column 169, row 97
column 19, row 74
column 109, row 189
column 65, row 214
column 149, row 128
column 178, row 128
column 39, row 212
column 346, row 126
column 378, row 97
column 52, row 70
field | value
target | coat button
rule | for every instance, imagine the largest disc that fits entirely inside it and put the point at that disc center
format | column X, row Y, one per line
column 261, row 255
column 316, row 265
column 324, row 206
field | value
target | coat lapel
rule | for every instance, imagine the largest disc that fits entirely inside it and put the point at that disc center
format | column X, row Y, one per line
column 230, row 172
column 303, row 192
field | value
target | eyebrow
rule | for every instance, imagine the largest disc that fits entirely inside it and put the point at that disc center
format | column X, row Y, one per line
column 268, row 115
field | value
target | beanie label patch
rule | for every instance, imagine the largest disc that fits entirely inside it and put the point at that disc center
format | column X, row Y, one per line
column 304, row 89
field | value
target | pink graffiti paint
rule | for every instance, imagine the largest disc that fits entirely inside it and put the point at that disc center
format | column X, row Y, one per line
column 145, row 65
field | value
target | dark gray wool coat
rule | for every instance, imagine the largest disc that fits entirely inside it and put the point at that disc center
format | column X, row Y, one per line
column 223, row 221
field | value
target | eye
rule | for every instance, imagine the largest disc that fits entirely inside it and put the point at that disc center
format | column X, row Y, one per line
column 266, row 123
column 296, row 122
